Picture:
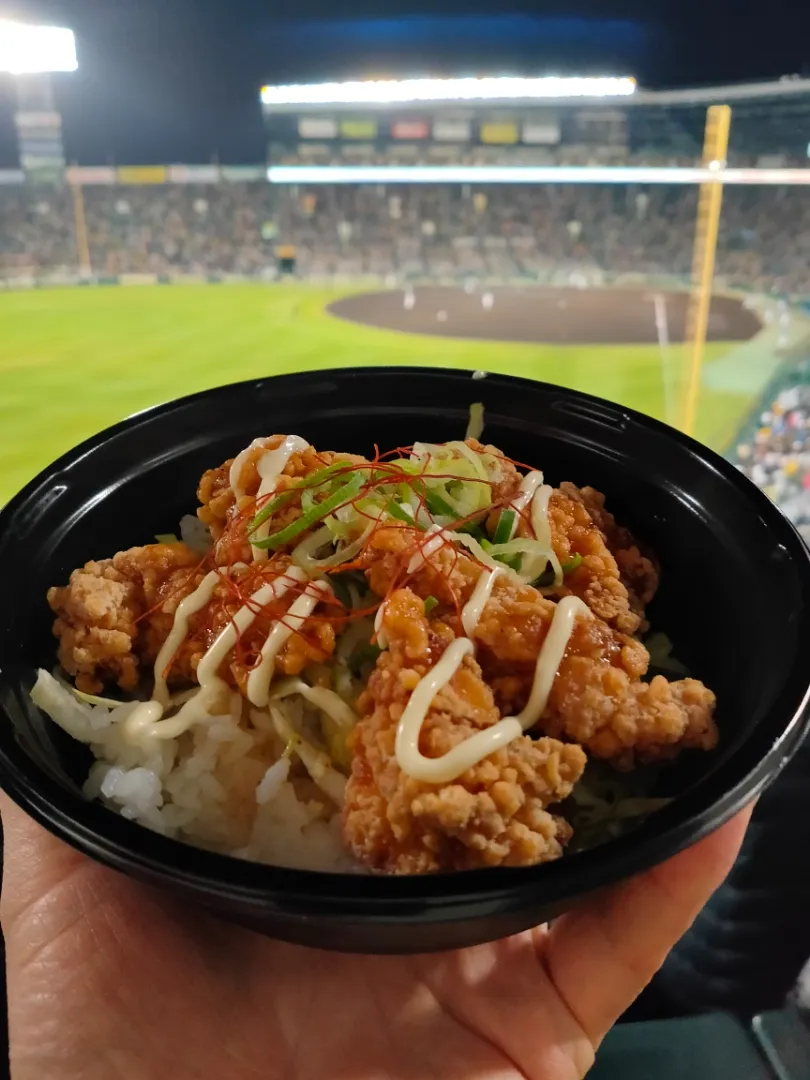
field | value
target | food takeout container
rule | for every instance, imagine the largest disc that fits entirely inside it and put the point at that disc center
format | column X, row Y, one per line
column 734, row 598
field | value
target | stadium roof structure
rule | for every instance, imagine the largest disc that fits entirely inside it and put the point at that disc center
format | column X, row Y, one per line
column 490, row 89
column 508, row 90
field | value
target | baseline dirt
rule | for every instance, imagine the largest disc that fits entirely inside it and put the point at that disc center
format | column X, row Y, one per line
column 543, row 314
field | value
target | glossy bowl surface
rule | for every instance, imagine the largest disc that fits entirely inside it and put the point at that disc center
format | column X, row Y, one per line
column 734, row 598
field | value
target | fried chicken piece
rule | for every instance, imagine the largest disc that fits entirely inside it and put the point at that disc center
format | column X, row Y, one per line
column 98, row 611
column 626, row 721
column 638, row 571
column 597, row 697
column 228, row 518
column 494, row 814
column 114, row 616
column 597, row 580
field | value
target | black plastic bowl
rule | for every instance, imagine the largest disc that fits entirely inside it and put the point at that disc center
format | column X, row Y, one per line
column 735, row 599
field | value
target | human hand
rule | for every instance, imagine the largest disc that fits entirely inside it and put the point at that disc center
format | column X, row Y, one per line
column 112, row 980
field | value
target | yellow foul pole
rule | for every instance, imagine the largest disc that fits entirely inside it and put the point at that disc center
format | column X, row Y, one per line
column 715, row 146
column 82, row 241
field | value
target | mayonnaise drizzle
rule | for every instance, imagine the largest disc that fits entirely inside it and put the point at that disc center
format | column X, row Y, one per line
column 550, row 658
column 145, row 718
column 528, row 486
column 474, row 749
column 258, row 683
column 270, row 466
column 382, row 637
column 434, row 539
column 534, row 491
column 193, row 603
column 451, row 765
column 238, row 464
column 474, row 608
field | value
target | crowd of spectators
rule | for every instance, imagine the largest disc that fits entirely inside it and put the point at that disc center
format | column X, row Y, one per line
column 777, row 455
column 179, row 228
column 37, row 229
column 496, row 231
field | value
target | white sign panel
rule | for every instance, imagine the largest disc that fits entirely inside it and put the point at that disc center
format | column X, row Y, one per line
column 452, row 130
column 317, row 127
column 193, row 174
column 546, row 133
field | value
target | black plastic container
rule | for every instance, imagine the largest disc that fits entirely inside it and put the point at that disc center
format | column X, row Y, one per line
column 735, row 599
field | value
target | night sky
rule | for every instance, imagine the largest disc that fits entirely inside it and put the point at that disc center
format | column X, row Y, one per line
column 178, row 80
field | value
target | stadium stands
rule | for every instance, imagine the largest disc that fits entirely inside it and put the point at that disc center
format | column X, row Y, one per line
column 416, row 231
column 776, row 455
column 36, row 229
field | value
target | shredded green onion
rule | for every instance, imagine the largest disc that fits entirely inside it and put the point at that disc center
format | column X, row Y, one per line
column 166, row 538
column 395, row 510
column 313, row 480
column 505, row 526
column 439, row 506
column 430, row 603
column 472, row 528
column 512, row 559
column 344, row 493
column 547, row 578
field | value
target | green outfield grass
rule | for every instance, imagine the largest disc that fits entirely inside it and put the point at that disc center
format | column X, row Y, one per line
column 73, row 361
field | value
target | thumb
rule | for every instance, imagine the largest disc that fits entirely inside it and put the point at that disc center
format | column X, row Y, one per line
column 602, row 955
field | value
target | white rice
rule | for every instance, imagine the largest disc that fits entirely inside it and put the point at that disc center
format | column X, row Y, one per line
column 194, row 534
column 224, row 785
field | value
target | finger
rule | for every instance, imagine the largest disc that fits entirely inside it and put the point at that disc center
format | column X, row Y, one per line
column 602, row 955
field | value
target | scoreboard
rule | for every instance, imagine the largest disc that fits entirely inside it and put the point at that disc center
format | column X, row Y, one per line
column 352, row 120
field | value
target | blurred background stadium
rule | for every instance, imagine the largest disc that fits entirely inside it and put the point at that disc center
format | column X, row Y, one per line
column 549, row 227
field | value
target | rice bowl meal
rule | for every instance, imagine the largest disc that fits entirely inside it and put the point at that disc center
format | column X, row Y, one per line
column 427, row 660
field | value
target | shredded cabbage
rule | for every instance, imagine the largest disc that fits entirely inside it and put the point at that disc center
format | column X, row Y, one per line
column 195, row 535
column 302, row 554
column 534, row 558
column 316, row 762
column 475, row 428
column 659, row 647
column 605, row 804
column 337, row 717
column 460, row 476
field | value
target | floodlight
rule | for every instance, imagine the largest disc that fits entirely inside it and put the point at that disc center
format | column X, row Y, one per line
column 396, row 91
column 26, row 49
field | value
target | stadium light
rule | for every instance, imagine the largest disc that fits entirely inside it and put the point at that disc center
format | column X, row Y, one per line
column 28, row 50
column 527, row 174
column 396, row 91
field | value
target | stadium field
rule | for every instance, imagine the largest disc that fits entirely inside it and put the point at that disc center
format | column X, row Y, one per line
column 73, row 361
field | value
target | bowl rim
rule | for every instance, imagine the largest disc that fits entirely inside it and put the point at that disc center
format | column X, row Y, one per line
column 124, row 845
